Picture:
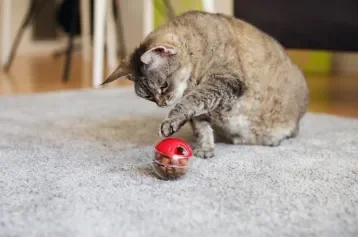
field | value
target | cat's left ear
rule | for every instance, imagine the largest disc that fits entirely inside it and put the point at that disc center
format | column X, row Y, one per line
column 123, row 70
column 158, row 56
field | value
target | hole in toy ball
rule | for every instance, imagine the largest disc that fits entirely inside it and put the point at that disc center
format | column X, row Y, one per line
column 181, row 150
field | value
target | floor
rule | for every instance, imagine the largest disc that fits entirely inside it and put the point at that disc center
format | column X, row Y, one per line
column 334, row 94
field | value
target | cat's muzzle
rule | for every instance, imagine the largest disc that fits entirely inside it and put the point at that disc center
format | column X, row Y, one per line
column 161, row 102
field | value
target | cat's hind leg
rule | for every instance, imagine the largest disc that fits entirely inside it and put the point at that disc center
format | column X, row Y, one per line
column 264, row 140
column 273, row 138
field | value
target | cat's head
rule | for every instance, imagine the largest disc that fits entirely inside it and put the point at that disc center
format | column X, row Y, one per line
column 158, row 71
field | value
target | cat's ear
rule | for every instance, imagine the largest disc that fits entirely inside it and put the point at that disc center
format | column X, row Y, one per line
column 157, row 56
column 123, row 70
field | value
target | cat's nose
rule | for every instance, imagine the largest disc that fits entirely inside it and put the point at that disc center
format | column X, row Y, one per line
column 161, row 101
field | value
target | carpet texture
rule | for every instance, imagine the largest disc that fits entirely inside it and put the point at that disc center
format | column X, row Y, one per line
column 77, row 164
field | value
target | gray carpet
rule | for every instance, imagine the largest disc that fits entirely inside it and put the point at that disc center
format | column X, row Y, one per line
column 77, row 164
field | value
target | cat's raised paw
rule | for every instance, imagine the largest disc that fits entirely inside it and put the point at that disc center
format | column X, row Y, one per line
column 171, row 125
column 205, row 153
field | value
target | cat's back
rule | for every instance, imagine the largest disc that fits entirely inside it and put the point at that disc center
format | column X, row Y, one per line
column 217, row 26
column 205, row 26
column 223, row 35
column 206, row 22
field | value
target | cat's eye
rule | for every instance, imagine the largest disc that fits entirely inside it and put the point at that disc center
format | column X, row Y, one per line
column 164, row 86
column 148, row 97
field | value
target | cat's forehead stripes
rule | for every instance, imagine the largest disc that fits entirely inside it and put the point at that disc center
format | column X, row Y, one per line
column 142, row 87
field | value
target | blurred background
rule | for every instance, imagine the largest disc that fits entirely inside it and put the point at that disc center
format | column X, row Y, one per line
column 55, row 45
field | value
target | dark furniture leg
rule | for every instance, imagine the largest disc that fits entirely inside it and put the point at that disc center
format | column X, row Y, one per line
column 67, row 67
column 35, row 7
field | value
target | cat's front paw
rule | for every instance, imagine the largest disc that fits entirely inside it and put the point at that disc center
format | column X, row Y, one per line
column 171, row 125
column 204, row 152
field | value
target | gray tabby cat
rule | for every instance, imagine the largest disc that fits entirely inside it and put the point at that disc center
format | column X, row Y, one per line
column 222, row 75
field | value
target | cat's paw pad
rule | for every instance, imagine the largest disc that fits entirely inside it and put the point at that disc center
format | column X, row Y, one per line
column 204, row 152
column 171, row 125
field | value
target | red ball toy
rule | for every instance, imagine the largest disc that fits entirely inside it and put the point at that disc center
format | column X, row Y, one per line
column 172, row 158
